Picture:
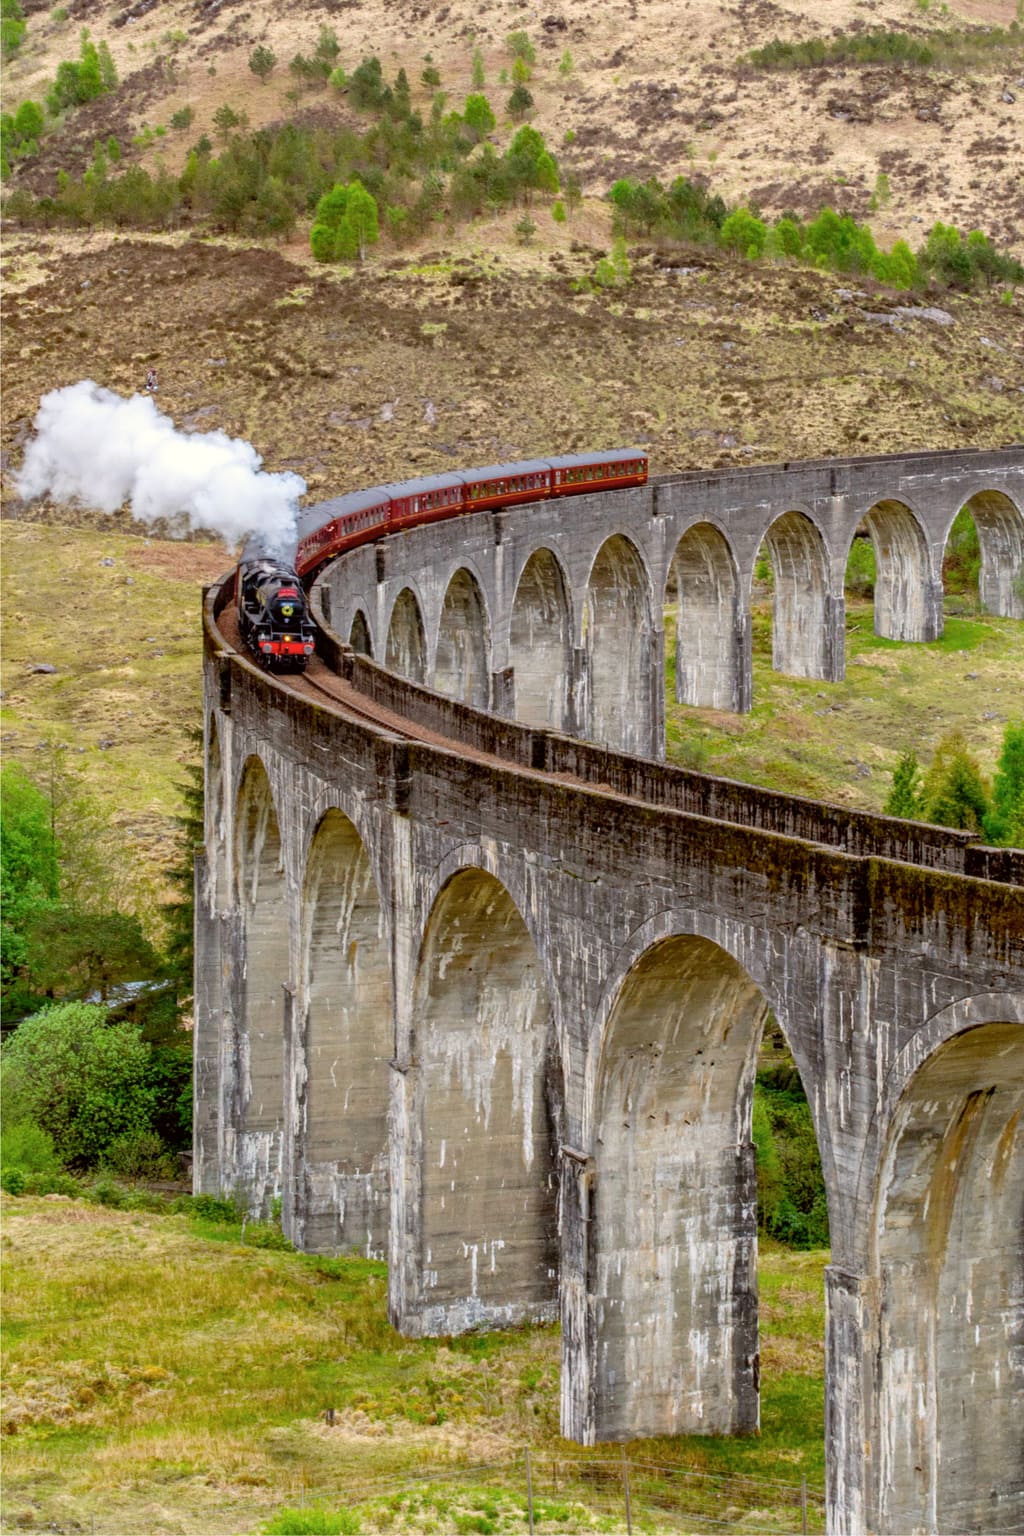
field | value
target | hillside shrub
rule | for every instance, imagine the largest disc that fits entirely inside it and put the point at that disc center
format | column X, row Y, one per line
column 954, row 793
column 27, row 1146
column 1004, row 824
column 80, row 1079
column 791, row 1189
column 13, row 27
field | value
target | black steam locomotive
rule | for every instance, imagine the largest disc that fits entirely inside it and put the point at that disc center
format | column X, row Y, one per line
column 273, row 616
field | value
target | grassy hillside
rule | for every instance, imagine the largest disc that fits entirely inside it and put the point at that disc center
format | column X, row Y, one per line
column 138, row 1402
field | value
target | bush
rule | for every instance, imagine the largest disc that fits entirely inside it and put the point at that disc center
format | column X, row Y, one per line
column 519, row 103
column 140, row 1155
column 313, row 1521
column 80, row 1078
column 208, row 1208
column 28, row 1147
column 12, row 1180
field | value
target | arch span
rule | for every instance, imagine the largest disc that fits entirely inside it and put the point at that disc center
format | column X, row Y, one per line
column 264, row 913
column 406, row 650
column 708, row 623
column 948, row 1261
column 461, row 666
column 672, row 1261
column 359, row 635
column 349, row 1042
column 800, row 601
column 1000, row 526
column 540, row 644
column 482, row 1055
column 907, row 604
column 617, row 637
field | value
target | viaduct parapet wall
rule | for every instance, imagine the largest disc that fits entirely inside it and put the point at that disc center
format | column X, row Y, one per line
column 485, row 999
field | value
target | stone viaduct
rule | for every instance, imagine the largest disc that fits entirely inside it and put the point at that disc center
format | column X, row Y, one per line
column 484, row 997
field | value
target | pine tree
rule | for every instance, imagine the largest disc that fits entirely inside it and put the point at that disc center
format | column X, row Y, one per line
column 954, row 793
column 905, row 795
column 1005, row 822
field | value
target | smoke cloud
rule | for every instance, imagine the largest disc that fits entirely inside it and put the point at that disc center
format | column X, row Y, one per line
column 98, row 449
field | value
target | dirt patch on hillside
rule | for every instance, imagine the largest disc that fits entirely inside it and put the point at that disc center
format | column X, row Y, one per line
column 355, row 379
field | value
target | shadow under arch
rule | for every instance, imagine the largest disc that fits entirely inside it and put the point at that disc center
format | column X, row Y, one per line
column 671, row 1267
column 406, row 648
column 482, row 1052
column 461, row 663
column 618, row 641
column 359, row 635
column 540, row 643
column 947, row 1270
column 1000, row 526
column 708, row 623
column 349, row 1041
column 801, row 596
column 907, row 606
column 262, row 900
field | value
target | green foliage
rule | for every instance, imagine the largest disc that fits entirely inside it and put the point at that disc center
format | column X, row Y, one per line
column 262, row 62
column 791, row 1190
column 345, row 223
column 226, row 120
column 27, row 1146
column 519, row 103
column 565, row 64
column 904, row 798
column 78, row 81
column 1004, row 823
column 966, row 264
column 478, row 117
column 183, row 118
column 79, row 1078
column 520, row 47
column 744, row 233
column 140, row 1155
column 961, row 559
column 312, row 1520
column 525, row 230
column 366, row 89
column 942, row 49
column 430, row 77
column 28, row 865
column 558, row 212
column 478, row 75
column 954, row 792
column 12, row 27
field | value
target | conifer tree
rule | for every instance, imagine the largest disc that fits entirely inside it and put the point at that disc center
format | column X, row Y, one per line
column 904, row 797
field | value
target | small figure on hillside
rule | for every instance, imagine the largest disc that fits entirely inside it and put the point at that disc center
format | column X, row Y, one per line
column 151, row 384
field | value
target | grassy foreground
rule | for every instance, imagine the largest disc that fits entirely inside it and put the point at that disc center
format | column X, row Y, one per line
column 166, row 1376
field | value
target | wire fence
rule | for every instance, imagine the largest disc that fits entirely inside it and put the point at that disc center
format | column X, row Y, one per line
column 548, row 1493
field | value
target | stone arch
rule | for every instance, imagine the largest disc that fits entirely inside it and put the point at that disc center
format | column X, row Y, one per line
column 540, row 643
column 801, row 596
column 708, row 622
column 461, row 666
column 907, row 606
column 262, row 899
column 1000, row 526
column 671, row 1270
column 947, row 1270
column 359, row 635
column 481, row 1052
column 349, row 1041
column 617, row 640
column 406, row 650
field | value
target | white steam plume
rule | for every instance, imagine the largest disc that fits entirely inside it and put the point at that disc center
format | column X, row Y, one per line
column 98, row 449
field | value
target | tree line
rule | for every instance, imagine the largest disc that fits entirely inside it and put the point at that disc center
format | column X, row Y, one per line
column 954, row 792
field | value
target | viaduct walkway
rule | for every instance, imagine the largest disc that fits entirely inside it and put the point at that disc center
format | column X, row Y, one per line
column 484, row 998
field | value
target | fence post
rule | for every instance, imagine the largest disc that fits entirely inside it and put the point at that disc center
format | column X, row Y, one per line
column 803, row 1504
column 529, row 1489
column 625, row 1490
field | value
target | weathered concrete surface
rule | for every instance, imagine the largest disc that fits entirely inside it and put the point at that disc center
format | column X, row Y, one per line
column 696, row 537
column 577, row 955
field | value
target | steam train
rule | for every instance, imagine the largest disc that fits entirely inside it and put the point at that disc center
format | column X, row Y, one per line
column 272, row 612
